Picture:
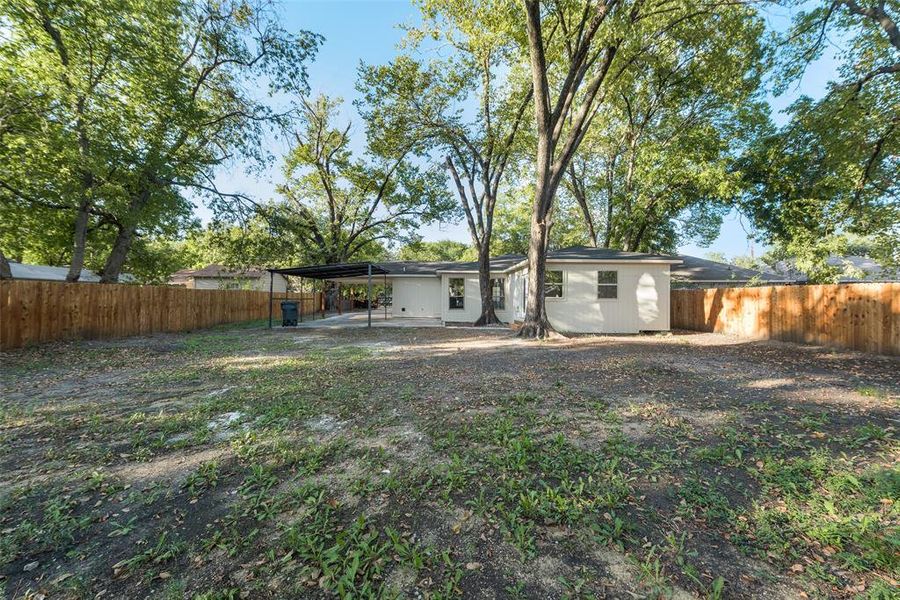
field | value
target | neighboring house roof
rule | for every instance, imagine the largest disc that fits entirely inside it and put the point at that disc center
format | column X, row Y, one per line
column 218, row 272
column 46, row 273
column 855, row 269
column 179, row 277
column 695, row 270
column 862, row 268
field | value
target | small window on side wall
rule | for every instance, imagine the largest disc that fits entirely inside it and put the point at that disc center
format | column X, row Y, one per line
column 457, row 293
column 607, row 285
column 553, row 284
column 498, row 293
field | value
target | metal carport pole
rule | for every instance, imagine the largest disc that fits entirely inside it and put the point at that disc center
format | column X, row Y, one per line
column 271, row 287
column 369, row 294
column 301, row 300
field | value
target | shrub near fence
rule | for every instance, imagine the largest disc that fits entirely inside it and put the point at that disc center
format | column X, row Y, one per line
column 856, row 316
column 43, row 311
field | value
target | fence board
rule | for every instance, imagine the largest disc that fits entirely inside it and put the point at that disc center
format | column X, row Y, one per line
column 855, row 316
column 34, row 312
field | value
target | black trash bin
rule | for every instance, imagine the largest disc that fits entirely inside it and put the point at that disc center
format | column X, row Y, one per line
column 288, row 313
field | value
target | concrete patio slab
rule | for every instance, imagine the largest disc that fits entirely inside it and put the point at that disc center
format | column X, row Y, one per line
column 359, row 319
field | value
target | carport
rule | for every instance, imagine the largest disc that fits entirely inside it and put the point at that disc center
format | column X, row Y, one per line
column 336, row 272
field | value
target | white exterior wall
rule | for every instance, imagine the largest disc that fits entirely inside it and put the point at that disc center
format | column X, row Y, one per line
column 472, row 304
column 279, row 283
column 419, row 296
column 517, row 293
column 642, row 303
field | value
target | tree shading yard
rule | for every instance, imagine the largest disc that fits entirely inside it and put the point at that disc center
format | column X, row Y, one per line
column 439, row 463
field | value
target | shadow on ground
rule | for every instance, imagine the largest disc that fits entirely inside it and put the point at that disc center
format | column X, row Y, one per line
column 242, row 462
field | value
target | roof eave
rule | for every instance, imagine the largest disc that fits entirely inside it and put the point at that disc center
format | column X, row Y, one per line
column 668, row 261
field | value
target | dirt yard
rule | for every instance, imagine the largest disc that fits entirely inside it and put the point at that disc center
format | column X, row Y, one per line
column 438, row 463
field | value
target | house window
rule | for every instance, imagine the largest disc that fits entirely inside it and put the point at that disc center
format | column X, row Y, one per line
column 498, row 293
column 607, row 284
column 457, row 293
column 553, row 284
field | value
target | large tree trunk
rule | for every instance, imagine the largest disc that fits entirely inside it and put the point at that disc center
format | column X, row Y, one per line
column 79, row 242
column 552, row 118
column 536, row 324
column 125, row 237
column 5, row 271
column 488, row 316
column 116, row 259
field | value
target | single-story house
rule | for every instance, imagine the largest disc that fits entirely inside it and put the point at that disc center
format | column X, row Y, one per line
column 220, row 277
column 46, row 273
column 588, row 290
column 694, row 272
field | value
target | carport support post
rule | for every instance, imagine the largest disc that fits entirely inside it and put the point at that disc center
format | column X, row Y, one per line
column 271, row 290
column 301, row 300
column 369, row 295
column 385, row 296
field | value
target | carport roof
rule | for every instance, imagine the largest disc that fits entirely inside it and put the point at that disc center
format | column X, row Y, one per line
column 337, row 271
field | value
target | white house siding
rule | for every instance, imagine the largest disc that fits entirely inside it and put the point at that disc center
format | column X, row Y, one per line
column 472, row 304
column 517, row 293
column 279, row 283
column 416, row 296
column 642, row 303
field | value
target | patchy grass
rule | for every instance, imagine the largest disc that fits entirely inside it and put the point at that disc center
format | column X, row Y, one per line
column 239, row 462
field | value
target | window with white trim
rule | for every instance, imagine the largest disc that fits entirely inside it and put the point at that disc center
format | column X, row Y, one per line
column 607, row 285
column 498, row 293
column 457, row 293
column 553, row 284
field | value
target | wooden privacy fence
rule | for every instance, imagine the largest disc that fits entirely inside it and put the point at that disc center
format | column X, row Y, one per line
column 43, row 311
column 856, row 316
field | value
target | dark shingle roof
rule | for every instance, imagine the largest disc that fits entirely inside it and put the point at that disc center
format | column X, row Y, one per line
column 498, row 263
column 590, row 253
column 695, row 269
column 506, row 261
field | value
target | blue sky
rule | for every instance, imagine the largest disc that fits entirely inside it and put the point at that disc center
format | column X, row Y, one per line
column 368, row 30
